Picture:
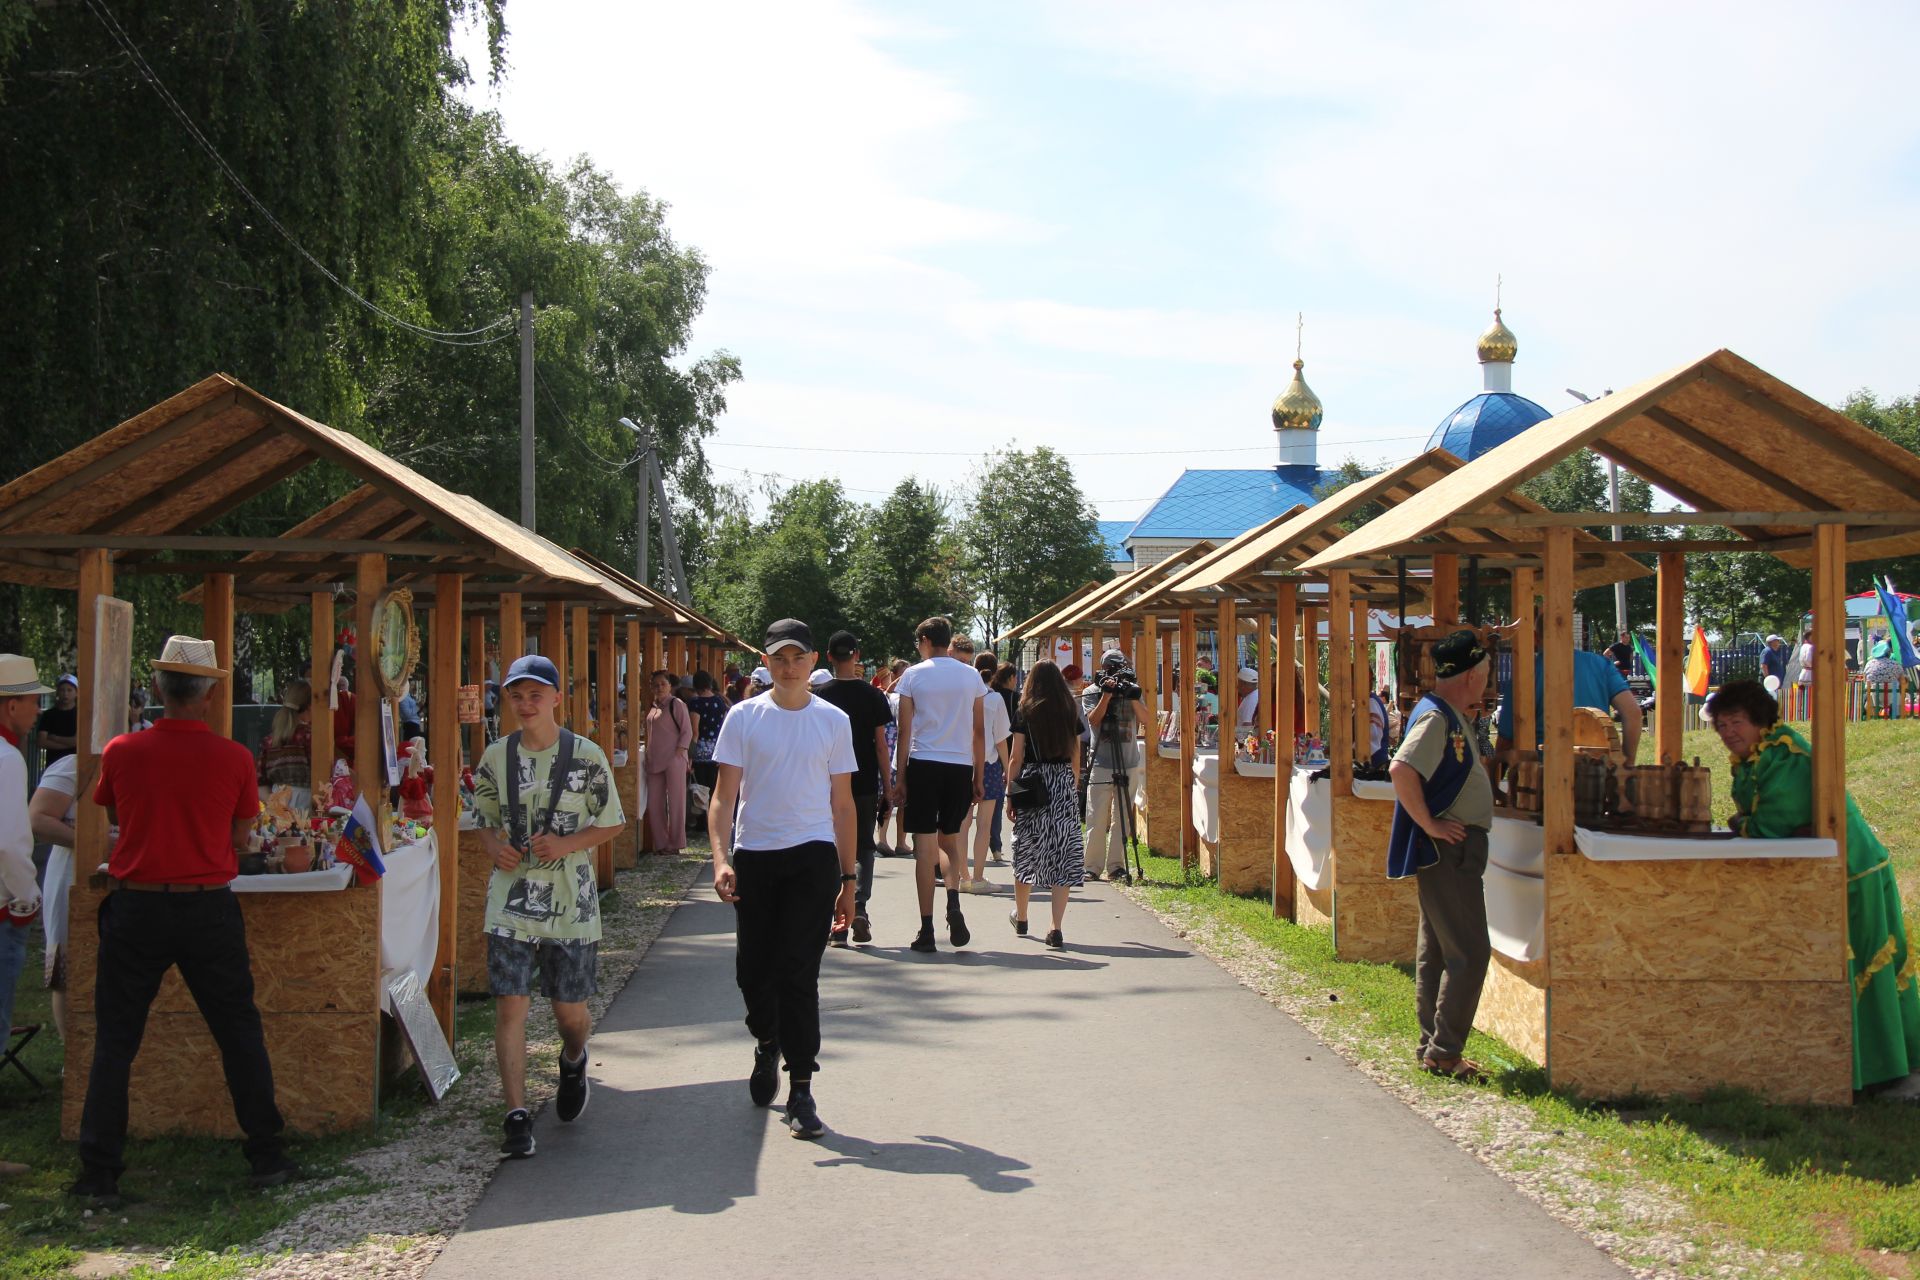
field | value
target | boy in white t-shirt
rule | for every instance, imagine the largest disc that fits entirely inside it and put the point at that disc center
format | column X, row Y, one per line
column 786, row 861
column 941, row 758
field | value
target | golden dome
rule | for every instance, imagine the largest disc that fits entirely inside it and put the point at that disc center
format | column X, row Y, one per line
column 1297, row 409
column 1498, row 345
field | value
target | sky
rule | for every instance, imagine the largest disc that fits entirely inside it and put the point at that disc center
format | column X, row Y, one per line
column 935, row 230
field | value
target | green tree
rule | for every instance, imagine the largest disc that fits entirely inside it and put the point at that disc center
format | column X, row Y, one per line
column 1030, row 537
column 1578, row 482
column 900, row 570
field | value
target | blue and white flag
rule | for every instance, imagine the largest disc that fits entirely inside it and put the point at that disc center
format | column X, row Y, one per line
column 1896, row 610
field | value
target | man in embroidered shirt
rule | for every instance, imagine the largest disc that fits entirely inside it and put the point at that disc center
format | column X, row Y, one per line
column 545, row 799
column 1444, row 808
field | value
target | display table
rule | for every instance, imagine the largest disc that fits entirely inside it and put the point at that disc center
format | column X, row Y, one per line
column 1241, row 843
column 1644, row 964
column 1338, row 848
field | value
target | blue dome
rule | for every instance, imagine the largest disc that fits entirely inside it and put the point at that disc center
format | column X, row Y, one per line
column 1488, row 420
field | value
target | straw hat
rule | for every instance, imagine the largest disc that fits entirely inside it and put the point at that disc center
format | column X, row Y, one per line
column 18, row 679
column 190, row 656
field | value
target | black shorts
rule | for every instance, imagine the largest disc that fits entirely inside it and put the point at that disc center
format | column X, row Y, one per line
column 939, row 797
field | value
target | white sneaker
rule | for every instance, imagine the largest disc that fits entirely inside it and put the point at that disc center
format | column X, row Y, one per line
column 980, row 886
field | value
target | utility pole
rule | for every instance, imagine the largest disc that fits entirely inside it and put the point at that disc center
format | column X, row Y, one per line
column 526, row 410
column 642, row 481
column 1613, row 505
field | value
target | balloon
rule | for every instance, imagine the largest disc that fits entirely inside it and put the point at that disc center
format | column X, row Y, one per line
column 1773, row 684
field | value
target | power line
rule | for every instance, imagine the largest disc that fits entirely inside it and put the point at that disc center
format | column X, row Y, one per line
column 452, row 338
column 1089, row 453
column 579, row 436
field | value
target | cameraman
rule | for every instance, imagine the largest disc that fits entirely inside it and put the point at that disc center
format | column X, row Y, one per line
column 1110, row 704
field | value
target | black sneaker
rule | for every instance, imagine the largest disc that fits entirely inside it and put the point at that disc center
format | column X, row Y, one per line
column 765, row 1080
column 1019, row 925
column 803, row 1118
column 957, row 928
column 519, row 1141
column 574, row 1088
column 1122, row 876
column 96, row 1190
column 837, row 937
column 923, row 941
column 275, row 1171
column 862, row 928
column 1054, row 941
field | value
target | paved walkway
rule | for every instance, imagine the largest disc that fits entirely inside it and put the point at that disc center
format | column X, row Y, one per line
column 1120, row 1109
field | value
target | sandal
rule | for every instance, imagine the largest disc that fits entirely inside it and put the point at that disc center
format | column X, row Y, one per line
column 1461, row 1069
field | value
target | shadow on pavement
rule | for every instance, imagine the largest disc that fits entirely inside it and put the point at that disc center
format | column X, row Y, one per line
column 940, row 1157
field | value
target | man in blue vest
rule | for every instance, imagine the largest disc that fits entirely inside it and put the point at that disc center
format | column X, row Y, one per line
column 1442, row 812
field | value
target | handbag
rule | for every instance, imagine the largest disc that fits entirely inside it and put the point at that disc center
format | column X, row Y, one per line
column 1028, row 791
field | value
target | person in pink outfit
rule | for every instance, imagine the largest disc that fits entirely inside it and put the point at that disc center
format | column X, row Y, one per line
column 670, row 734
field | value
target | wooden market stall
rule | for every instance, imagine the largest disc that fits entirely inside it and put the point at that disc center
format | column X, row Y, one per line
column 1641, row 961
column 137, row 500
column 1323, row 842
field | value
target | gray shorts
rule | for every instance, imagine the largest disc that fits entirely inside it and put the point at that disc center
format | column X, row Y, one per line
column 567, row 969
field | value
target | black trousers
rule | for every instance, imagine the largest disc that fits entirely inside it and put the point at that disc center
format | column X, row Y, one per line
column 142, row 935
column 865, row 814
column 781, row 924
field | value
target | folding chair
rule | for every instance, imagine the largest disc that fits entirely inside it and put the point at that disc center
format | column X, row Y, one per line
column 20, row 1038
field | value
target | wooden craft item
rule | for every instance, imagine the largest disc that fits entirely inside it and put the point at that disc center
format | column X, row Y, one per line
column 468, row 703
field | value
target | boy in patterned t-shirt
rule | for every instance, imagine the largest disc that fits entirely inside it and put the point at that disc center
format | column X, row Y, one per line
column 542, row 902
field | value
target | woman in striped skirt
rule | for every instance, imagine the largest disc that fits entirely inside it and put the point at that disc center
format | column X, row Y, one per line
column 1046, row 837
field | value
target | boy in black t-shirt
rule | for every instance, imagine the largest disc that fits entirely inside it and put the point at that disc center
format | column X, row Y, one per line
column 869, row 714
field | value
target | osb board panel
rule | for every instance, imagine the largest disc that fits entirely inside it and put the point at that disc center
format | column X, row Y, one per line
column 1246, row 834
column 476, row 872
column 1758, row 919
column 1513, row 1005
column 311, row 953
column 1376, row 920
column 1360, row 832
column 1789, row 1042
column 323, row 1075
column 626, row 845
column 1163, row 806
column 1313, row 908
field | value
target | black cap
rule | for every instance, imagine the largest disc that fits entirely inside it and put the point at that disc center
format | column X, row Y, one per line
column 1458, row 653
column 788, row 632
column 842, row 645
column 1113, row 659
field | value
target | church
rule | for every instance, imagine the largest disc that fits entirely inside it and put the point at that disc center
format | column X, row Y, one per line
column 1218, row 505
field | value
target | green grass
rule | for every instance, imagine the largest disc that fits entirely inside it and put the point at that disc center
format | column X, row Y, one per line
column 1829, row 1184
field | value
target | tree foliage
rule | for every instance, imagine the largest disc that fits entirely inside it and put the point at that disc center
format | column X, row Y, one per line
column 1578, row 482
column 1031, row 537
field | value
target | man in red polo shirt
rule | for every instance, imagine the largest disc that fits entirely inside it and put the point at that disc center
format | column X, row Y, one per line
column 183, row 797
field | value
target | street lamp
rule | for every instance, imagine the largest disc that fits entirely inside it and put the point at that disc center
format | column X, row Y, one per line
column 641, row 481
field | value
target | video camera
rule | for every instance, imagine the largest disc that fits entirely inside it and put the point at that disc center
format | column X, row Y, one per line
column 1121, row 682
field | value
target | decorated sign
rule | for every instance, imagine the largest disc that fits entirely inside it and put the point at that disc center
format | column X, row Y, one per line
column 395, row 645
column 468, row 703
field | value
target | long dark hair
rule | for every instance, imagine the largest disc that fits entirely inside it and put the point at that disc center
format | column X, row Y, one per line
column 1046, row 707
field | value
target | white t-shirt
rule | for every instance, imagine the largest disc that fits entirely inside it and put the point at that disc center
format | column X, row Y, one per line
column 786, row 760
column 59, row 777
column 1249, row 706
column 944, row 691
column 999, row 724
column 16, row 832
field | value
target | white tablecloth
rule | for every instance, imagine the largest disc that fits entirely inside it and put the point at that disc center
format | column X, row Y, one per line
column 332, row 880
column 1206, row 796
column 410, row 910
column 1609, row 846
column 1373, row 789
column 1517, row 845
column 1516, row 913
column 1309, row 828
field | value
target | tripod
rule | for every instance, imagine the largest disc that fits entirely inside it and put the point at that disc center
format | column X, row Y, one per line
column 1120, row 747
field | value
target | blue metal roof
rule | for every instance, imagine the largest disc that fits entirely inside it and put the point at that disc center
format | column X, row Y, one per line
column 1114, row 534
column 1489, row 419
column 1225, row 504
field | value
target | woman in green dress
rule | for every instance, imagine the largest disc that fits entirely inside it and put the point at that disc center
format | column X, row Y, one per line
column 1773, row 798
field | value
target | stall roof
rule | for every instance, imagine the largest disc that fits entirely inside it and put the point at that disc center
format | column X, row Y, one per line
column 1098, row 605
column 1304, row 533
column 1719, row 434
column 149, row 484
column 1027, row 628
column 1177, row 592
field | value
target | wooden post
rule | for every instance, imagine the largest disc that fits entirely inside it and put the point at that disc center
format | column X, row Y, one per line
column 216, row 612
column 1526, row 709
column 320, row 676
column 513, row 644
column 1829, row 712
column 633, row 693
column 369, row 756
column 1446, row 589
column 1229, row 624
column 553, row 646
column 650, row 662
column 1340, row 692
column 677, row 656
column 443, row 745
column 1310, row 660
column 1286, row 619
column 1263, row 709
column 1189, row 730
column 581, row 673
column 1670, row 659
column 1169, row 696
column 1079, row 642
column 1556, row 658
column 95, row 581
column 1362, row 684
column 609, row 714
column 476, row 661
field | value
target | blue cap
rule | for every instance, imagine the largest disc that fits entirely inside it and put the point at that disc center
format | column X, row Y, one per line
column 533, row 667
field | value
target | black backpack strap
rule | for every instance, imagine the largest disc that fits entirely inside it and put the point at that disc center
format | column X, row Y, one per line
column 519, row 831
